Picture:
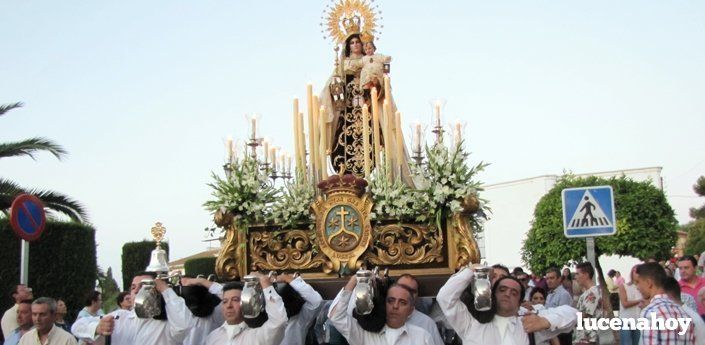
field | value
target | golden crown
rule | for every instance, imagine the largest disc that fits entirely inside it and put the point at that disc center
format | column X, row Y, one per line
column 366, row 37
column 351, row 25
column 346, row 17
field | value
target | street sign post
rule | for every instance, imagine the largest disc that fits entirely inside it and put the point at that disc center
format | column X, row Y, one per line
column 589, row 212
column 27, row 219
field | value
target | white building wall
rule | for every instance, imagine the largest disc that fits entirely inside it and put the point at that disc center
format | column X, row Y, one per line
column 513, row 204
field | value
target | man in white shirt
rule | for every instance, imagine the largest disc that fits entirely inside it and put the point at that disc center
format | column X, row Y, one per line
column 9, row 318
column 418, row 318
column 235, row 331
column 297, row 326
column 203, row 298
column 45, row 332
column 506, row 327
column 125, row 328
column 399, row 305
column 24, row 319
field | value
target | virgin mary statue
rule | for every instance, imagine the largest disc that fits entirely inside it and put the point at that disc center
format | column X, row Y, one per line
column 344, row 98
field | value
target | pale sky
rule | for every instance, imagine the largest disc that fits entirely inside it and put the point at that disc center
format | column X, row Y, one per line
column 144, row 94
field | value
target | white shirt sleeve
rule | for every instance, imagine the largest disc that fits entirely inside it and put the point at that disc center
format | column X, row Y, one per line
column 217, row 315
column 216, row 289
column 272, row 331
column 448, row 299
column 343, row 321
column 179, row 317
column 85, row 327
column 312, row 297
column 562, row 320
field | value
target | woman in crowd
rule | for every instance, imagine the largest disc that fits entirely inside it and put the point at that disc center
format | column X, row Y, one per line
column 61, row 315
column 629, row 300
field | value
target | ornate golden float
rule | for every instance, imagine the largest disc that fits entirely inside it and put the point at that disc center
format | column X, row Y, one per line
column 378, row 207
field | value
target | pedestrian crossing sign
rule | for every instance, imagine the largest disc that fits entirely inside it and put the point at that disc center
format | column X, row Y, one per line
column 588, row 212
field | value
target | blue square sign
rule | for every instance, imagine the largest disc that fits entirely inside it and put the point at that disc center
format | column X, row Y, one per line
column 588, row 212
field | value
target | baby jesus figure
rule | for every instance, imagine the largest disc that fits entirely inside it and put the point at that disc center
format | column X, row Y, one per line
column 372, row 72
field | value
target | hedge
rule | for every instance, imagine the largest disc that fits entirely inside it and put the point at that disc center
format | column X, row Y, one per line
column 135, row 258
column 62, row 263
column 194, row 267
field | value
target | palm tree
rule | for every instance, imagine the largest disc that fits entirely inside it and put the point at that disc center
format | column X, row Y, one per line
column 53, row 201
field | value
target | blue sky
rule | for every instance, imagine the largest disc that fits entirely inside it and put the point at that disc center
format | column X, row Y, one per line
column 143, row 94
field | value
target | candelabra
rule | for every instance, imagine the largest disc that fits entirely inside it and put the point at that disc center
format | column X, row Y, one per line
column 417, row 156
column 274, row 174
column 227, row 167
column 253, row 143
column 438, row 131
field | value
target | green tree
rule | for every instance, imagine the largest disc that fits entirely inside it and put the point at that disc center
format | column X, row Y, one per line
column 646, row 225
column 646, row 228
column 53, row 201
column 62, row 263
column 109, row 289
column 699, row 188
column 695, row 243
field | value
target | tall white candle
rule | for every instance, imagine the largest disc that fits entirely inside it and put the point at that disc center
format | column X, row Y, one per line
column 265, row 150
column 458, row 133
column 296, row 130
column 288, row 164
column 274, row 158
column 253, row 121
column 323, row 149
column 438, row 114
column 417, row 137
column 229, row 147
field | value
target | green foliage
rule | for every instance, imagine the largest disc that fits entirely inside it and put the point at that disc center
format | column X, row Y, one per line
column 292, row 206
column 695, row 244
column 62, row 263
column 135, row 258
column 394, row 199
column 204, row 266
column 55, row 202
column 699, row 188
column 442, row 182
column 446, row 179
column 646, row 225
column 109, row 289
column 247, row 194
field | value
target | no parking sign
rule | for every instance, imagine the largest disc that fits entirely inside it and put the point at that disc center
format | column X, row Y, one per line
column 27, row 217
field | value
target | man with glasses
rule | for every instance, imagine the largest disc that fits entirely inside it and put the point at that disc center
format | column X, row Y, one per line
column 506, row 326
column 9, row 319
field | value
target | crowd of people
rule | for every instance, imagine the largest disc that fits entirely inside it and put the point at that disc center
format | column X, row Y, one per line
column 526, row 309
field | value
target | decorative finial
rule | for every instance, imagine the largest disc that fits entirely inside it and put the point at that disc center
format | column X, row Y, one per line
column 158, row 232
column 341, row 172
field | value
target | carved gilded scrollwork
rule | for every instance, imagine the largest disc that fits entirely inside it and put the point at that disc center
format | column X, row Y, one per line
column 285, row 250
column 406, row 244
column 464, row 243
column 231, row 260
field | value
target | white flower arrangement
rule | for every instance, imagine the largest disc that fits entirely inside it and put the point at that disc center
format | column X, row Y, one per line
column 447, row 178
column 444, row 180
column 292, row 207
column 392, row 199
column 246, row 194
